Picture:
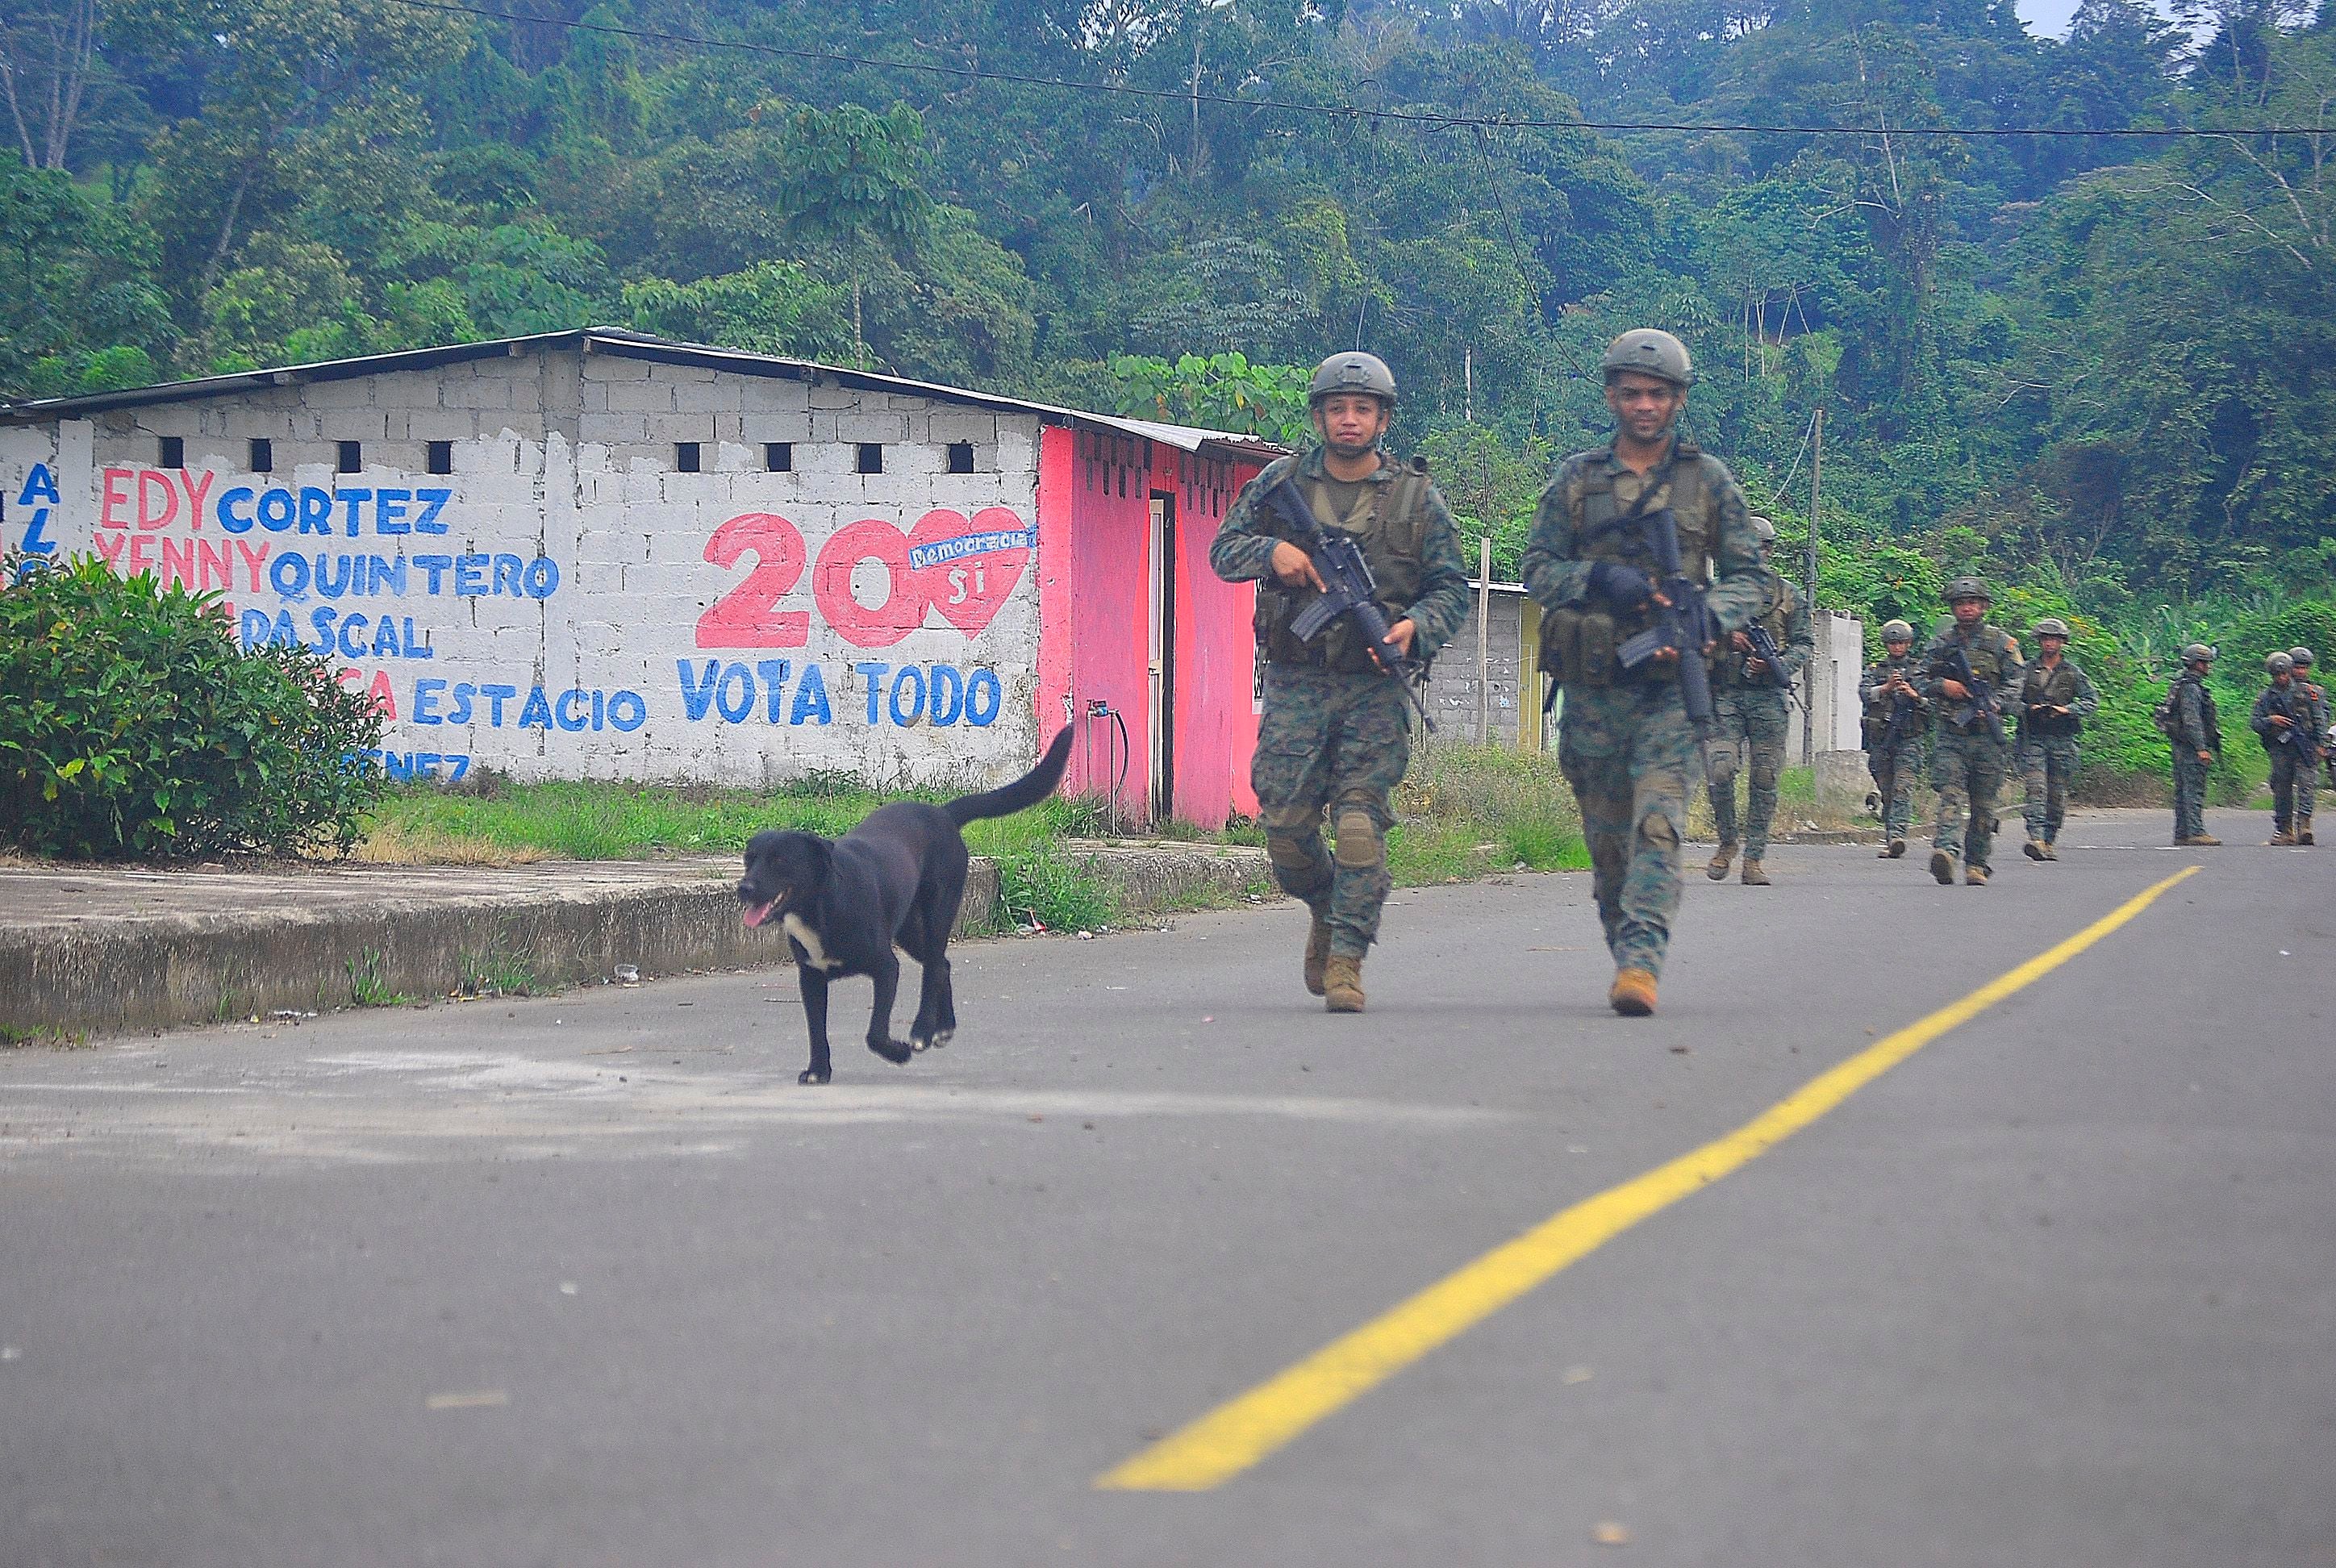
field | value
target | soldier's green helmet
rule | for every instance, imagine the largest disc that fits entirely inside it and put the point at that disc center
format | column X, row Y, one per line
column 1764, row 529
column 1363, row 372
column 2198, row 653
column 1651, row 351
column 1964, row 588
column 2279, row 664
column 2051, row 626
column 1897, row 631
column 2302, row 656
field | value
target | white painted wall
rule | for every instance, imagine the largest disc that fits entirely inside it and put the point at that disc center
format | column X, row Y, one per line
column 650, row 608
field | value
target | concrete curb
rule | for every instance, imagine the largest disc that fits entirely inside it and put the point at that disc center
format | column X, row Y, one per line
column 111, row 950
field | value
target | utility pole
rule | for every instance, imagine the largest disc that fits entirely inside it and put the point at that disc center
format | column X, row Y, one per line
column 1484, row 640
column 1809, row 707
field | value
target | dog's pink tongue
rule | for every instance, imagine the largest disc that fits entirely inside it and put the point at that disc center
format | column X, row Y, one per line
column 755, row 914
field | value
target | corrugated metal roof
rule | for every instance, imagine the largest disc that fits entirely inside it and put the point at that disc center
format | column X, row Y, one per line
column 632, row 345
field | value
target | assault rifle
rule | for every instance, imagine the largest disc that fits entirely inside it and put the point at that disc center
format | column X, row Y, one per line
column 1685, row 626
column 1347, row 590
column 1764, row 648
column 1982, row 702
column 2299, row 731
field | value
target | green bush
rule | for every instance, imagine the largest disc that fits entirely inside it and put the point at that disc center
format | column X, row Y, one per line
column 130, row 723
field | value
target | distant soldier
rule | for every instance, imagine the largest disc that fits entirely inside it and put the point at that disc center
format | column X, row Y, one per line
column 2187, row 717
column 1897, row 718
column 1971, row 672
column 1626, row 743
column 2287, row 721
column 1749, row 703
column 2307, row 789
column 2055, row 700
column 1336, row 732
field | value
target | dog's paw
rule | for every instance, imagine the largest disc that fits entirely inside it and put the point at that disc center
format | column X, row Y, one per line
column 894, row 1051
column 930, row 1039
column 813, row 1076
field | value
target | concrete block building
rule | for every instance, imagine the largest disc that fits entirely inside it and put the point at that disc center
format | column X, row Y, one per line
column 596, row 554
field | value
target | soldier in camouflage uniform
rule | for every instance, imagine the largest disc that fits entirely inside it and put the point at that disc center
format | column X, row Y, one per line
column 1749, row 706
column 1336, row 732
column 1968, row 757
column 2287, row 720
column 2190, row 726
column 2055, row 700
column 1897, row 718
column 1624, row 741
column 2308, row 787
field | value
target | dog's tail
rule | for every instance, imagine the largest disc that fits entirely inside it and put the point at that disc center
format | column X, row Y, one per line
column 1021, row 794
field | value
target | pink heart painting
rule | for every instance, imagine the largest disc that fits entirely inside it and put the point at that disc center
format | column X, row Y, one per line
column 969, row 568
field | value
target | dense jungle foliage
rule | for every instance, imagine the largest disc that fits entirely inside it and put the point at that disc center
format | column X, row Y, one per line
column 2099, row 368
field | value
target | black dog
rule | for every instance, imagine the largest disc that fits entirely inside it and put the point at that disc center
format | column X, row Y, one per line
column 895, row 878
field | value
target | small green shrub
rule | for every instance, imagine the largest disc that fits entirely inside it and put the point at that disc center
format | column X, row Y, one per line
column 1060, row 893
column 130, row 723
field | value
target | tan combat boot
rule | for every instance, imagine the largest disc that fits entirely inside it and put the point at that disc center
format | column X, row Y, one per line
column 2034, row 849
column 1975, row 876
column 1318, row 954
column 2303, row 834
column 1895, row 849
column 1633, row 995
column 1943, row 867
column 2281, row 841
column 1754, row 877
column 1720, row 860
column 2050, row 852
column 1342, row 985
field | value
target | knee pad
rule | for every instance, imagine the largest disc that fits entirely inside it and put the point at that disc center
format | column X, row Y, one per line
column 1656, row 827
column 1361, row 845
column 1721, row 766
column 1764, row 777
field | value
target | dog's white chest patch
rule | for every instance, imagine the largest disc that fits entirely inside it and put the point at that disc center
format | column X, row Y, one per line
column 797, row 927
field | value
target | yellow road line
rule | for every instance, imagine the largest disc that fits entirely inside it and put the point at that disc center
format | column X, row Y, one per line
column 1235, row 1435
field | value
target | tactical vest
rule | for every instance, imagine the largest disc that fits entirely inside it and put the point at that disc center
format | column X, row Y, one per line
column 1989, row 651
column 2048, row 688
column 1727, row 665
column 1878, row 706
column 1578, row 644
column 1390, row 522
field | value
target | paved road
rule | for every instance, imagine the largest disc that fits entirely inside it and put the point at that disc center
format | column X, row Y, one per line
column 589, row 1279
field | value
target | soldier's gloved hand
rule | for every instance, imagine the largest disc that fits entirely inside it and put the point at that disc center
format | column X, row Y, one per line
column 1623, row 587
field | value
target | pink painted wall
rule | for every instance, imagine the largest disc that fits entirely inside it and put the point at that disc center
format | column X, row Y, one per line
column 1094, row 573
column 1216, row 715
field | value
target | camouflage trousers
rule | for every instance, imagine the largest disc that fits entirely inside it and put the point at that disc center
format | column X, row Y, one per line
column 2189, row 795
column 1747, row 727
column 2047, row 768
column 1340, row 743
column 1895, row 777
column 1968, row 771
column 1630, row 754
column 2293, row 781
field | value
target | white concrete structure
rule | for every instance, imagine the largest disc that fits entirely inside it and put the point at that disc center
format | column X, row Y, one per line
column 596, row 554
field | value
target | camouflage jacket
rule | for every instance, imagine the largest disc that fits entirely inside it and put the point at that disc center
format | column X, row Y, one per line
column 2196, row 728
column 1994, row 658
column 1786, row 617
column 2059, row 685
column 1557, row 568
column 1242, row 550
column 2294, row 701
column 1879, row 707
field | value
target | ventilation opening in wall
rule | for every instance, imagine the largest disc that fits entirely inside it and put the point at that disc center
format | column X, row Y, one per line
column 779, row 456
column 352, row 456
column 263, row 455
column 687, row 456
column 441, row 456
column 960, row 457
column 174, row 452
column 871, row 457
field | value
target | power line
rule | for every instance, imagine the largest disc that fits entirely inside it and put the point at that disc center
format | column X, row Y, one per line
column 1354, row 111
